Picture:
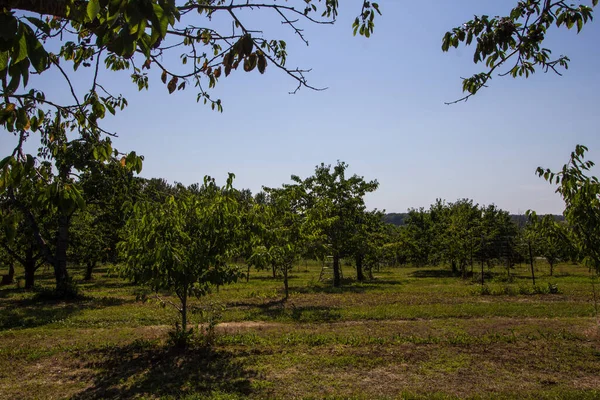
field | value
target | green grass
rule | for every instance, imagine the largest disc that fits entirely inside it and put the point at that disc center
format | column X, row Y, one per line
column 410, row 333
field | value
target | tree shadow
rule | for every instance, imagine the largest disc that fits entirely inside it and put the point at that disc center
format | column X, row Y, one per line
column 34, row 312
column 433, row 273
column 145, row 369
column 305, row 314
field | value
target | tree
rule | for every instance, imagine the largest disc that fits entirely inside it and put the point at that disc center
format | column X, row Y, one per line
column 184, row 244
column 513, row 45
column 581, row 194
column 549, row 238
column 367, row 242
column 336, row 204
column 285, row 231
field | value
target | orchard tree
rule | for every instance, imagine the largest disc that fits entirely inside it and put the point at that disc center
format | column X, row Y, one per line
column 367, row 242
column 336, row 203
column 550, row 239
column 581, row 194
column 285, row 230
column 418, row 237
column 512, row 45
column 184, row 245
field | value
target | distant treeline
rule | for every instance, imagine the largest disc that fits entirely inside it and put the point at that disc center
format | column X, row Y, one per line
column 399, row 219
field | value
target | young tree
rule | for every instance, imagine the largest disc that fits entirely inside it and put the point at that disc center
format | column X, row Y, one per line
column 185, row 244
column 285, row 231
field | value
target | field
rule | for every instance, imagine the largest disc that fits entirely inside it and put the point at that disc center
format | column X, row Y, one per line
column 409, row 333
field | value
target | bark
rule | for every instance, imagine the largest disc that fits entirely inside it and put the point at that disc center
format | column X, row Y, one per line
column 285, row 282
column 30, row 268
column 89, row 269
column 248, row 274
column 531, row 263
column 360, row 276
column 60, row 258
column 337, row 281
column 183, row 299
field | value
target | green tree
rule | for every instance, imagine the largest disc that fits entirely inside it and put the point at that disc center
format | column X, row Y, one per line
column 336, row 203
column 513, row 45
column 367, row 242
column 285, row 231
column 550, row 239
column 581, row 194
column 185, row 244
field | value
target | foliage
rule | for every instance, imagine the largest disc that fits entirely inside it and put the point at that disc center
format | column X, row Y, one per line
column 513, row 44
column 336, row 204
column 68, row 37
column 285, row 231
column 184, row 245
column 581, row 194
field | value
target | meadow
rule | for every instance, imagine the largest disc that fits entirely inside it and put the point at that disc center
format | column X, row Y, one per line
column 410, row 333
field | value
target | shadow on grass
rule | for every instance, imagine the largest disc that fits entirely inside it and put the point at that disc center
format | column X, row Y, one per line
column 33, row 312
column 143, row 369
column 306, row 314
column 433, row 273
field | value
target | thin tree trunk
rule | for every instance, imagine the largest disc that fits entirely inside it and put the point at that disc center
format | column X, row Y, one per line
column 184, row 311
column 248, row 274
column 285, row 282
column 60, row 259
column 482, row 274
column 551, row 268
column 274, row 272
column 29, row 266
column 337, row 281
column 531, row 262
column 359, row 268
column 88, row 270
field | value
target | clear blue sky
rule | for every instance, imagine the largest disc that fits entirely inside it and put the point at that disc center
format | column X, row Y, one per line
column 383, row 114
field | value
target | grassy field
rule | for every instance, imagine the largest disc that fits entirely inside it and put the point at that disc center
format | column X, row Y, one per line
column 409, row 333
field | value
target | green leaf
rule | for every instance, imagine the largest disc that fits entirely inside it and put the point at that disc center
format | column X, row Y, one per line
column 93, row 8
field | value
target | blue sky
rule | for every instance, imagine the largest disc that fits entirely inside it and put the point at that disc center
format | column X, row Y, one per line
column 383, row 114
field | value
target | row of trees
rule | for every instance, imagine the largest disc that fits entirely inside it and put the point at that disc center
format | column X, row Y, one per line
column 462, row 234
column 187, row 239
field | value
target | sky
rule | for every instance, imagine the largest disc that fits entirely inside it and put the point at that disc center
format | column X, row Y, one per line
column 383, row 113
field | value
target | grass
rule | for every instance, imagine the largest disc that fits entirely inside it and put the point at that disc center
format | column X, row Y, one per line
column 410, row 333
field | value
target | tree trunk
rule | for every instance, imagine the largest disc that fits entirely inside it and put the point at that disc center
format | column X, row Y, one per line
column 274, row 272
column 551, row 268
column 531, row 262
column 482, row 274
column 184, row 311
column 60, row 259
column 285, row 282
column 88, row 270
column 359, row 268
column 29, row 268
column 248, row 274
column 337, row 281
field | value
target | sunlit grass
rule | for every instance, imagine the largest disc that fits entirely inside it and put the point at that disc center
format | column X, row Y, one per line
column 409, row 333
